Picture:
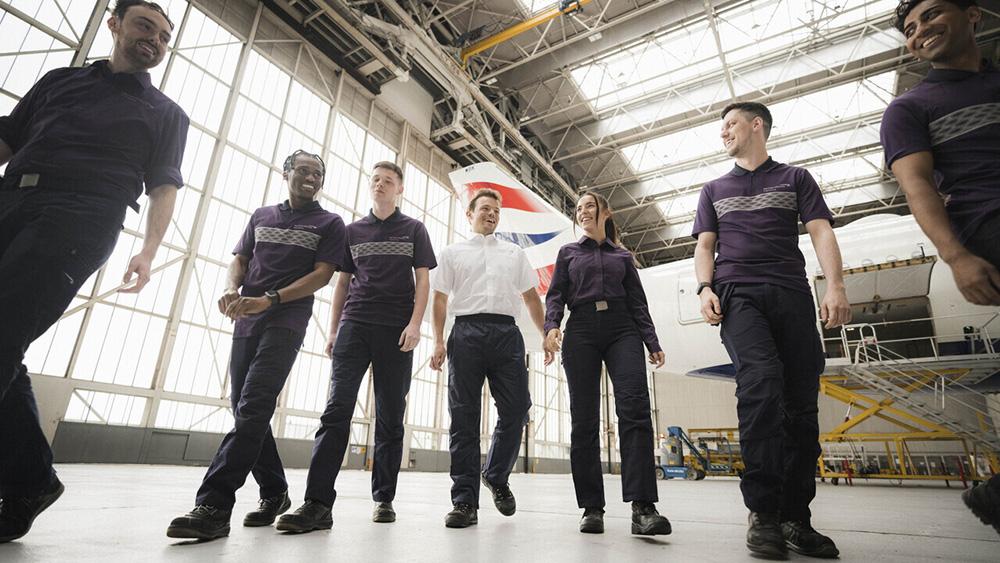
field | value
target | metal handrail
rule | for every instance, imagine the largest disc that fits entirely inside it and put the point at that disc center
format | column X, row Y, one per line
column 981, row 333
column 939, row 378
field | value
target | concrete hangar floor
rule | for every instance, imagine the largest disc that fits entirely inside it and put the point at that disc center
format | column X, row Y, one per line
column 113, row 513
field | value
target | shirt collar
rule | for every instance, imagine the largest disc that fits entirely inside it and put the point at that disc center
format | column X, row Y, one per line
column 483, row 239
column 587, row 241
column 375, row 220
column 311, row 206
column 953, row 75
column 767, row 166
column 139, row 80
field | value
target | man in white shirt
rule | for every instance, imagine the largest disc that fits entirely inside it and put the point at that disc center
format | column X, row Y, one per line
column 487, row 279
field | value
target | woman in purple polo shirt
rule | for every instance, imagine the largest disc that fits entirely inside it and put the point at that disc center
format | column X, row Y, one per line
column 596, row 278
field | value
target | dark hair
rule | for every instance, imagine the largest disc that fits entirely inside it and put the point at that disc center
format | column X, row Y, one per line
column 906, row 6
column 610, row 228
column 290, row 161
column 122, row 6
column 390, row 166
column 755, row 109
column 484, row 192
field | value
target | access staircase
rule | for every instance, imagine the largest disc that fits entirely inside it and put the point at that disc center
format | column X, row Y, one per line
column 928, row 398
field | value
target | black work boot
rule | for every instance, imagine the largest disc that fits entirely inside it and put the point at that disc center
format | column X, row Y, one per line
column 18, row 513
column 646, row 521
column 592, row 521
column 203, row 523
column 502, row 497
column 267, row 510
column 764, row 536
column 462, row 516
column 312, row 515
column 800, row 537
column 984, row 501
column 383, row 512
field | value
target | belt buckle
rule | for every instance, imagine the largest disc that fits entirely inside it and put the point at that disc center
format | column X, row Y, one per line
column 601, row 305
column 28, row 181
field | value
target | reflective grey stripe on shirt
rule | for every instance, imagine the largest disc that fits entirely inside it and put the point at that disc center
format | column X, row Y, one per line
column 962, row 121
column 293, row 237
column 780, row 200
column 385, row 248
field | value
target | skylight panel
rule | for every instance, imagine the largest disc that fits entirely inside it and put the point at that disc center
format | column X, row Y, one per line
column 674, row 147
column 650, row 66
column 764, row 26
column 532, row 6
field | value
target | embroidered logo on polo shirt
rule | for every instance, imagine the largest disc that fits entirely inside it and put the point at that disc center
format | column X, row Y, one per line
column 962, row 121
column 387, row 248
column 287, row 236
column 773, row 200
column 399, row 238
column 770, row 189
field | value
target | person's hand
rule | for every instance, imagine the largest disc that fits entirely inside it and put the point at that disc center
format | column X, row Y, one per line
column 247, row 306
column 711, row 309
column 977, row 279
column 657, row 359
column 437, row 358
column 553, row 341
column 330, row 341
column 409, row 338
column 140, row 265
column 549, row 356
column 835, row 310
column 227, row 298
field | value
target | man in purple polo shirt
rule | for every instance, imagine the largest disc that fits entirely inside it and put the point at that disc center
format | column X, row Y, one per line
column 942, row 141
column 80, row 147
column 287, row 253
column 756, row 287
column 378, row 306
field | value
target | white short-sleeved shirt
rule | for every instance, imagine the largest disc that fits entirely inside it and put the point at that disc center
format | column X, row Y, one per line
column 484, row 275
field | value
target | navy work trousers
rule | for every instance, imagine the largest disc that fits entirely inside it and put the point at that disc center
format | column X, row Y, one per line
column 358, row 346
column 770, row 334
column 50, row 244
column 609, row 337
column 258, row 367
column 482, row 347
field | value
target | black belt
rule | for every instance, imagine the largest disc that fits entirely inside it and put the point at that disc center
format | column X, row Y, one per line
column 600, row 306
column 485, row 318
column 16, row 182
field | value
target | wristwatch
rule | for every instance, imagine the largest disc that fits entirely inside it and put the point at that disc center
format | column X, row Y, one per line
column 702, row 286
column 274, row 296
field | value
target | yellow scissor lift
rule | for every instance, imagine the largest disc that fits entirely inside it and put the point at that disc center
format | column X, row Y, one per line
column 917, row 397
column 906, row 376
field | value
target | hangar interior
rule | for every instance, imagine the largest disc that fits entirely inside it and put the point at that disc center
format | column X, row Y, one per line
column 616, row 96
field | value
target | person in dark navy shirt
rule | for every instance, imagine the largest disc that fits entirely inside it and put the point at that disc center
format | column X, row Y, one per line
column 79, row 148
column 942, row 141
column 609, row 323
column 755, row 285
column 378, row 306
column 288, row 252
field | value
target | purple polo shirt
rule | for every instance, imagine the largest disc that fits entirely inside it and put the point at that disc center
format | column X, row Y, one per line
column 89, row 128
column 283, row 245
column 756, row 215
column 954, row 115
column 382, row 257
column 586, row 272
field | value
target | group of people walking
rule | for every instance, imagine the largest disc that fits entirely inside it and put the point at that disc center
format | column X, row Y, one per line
column 69, row 183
